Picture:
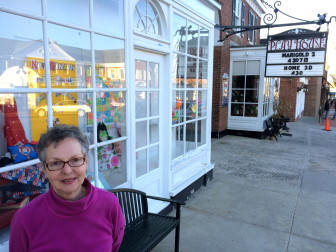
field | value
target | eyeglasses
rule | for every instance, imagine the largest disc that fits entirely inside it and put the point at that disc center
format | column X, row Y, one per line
column 57, row 165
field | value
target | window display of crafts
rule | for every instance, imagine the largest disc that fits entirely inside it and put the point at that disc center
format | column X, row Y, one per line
column 70, row 106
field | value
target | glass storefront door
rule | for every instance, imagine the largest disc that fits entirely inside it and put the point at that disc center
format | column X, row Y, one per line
column 147, row 86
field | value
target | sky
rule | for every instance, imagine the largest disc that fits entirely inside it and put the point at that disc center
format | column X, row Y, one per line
column 303, row 9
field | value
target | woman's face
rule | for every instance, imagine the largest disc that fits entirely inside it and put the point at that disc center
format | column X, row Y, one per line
column 66, row 182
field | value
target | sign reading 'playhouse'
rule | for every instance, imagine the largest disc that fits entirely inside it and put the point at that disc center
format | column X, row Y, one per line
column 296, row 54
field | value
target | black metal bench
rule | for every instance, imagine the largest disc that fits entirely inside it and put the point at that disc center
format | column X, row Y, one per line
column 145, row 230
column 275, row 127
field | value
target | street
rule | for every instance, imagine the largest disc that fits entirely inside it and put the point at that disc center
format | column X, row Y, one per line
column 265, row 195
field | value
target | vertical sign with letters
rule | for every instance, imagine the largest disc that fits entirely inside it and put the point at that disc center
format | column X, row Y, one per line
column 296, row 54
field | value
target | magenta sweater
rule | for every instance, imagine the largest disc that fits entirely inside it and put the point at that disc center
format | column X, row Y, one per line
column 49, row 223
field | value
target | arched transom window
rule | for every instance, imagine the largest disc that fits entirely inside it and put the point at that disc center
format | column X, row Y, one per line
column 146, row 18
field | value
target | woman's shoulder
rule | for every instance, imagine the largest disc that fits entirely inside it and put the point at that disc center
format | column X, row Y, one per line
column 105, row 194
column 33, row 207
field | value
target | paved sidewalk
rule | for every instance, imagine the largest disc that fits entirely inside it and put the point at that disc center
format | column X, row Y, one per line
column 266, row 195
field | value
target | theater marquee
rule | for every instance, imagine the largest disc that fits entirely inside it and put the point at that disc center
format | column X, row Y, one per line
column 296, row 55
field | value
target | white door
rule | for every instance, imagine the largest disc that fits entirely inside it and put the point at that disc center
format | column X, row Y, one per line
column 148, row 85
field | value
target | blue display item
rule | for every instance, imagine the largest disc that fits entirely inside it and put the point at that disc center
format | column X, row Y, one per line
column 22, row 153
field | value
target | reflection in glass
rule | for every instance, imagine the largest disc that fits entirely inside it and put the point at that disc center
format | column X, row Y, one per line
column 140, row 74
column 204, row 43
column 251, row 95
column 17, row 68
column 154, row 103
column 191, row 72
column 153, row 131
column 237, row 109
column 238, row 81
column 31, row 6
column 192, row 38
column 177, row 141
column 202, row 103
column 63, row 10
column 153, row 153
column 237, row 95
column 109, row 16
column 179, row 33
column 72, row 49
column 252, row 81
column 141, row 162
column 178, row 66
column 141, row 104
column 153, row 75
column 201, row 132
column 203, row 74
column 110, row 62
column 190, row 136
column 141, row 134
column 251, row 110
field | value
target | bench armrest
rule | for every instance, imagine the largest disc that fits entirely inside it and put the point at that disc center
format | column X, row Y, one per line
column 166, row 199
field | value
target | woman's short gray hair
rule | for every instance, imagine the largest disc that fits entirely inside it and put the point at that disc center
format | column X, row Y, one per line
column 58, row 133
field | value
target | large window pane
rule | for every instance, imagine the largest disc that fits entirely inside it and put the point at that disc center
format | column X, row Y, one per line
column 238, row 68
column 251, row 110
column 110, row 62
column 154, row 131
column 63, row 10
column 31, row 6
column 179, row 33
column 154, row 104
column 252, row 81
column 109, row 16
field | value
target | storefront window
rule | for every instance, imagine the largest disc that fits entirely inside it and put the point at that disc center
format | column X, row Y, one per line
column 245, row 88
column 36, row 94
column 189, row 102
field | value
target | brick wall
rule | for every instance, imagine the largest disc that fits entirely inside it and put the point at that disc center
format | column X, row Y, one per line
column 287, row 95
column 222, row 64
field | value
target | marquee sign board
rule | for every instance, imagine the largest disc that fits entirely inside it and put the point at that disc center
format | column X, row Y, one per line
column 296, row 55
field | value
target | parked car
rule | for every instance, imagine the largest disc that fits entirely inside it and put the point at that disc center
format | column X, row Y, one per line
column 69, row 106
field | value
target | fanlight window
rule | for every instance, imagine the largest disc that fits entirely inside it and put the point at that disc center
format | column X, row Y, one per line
column 146, row 18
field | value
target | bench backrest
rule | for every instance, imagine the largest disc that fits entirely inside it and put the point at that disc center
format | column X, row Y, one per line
column 133, row 203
